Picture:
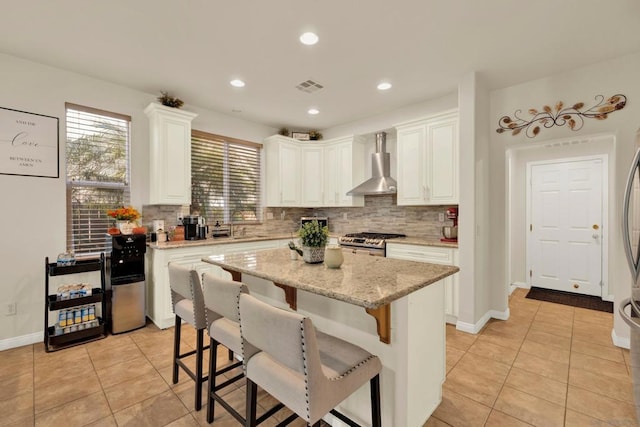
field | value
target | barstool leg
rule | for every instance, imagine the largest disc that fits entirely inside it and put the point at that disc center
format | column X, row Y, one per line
column 176, row 348
column 213, row 366
column 230, row 354
column 376, row 417
column 252, row 397
column 199, row 353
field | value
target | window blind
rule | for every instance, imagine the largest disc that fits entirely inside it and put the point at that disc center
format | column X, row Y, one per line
column 225, row 179
column 97, row 155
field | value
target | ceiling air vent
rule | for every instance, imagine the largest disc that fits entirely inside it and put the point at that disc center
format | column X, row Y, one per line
column 309, row 86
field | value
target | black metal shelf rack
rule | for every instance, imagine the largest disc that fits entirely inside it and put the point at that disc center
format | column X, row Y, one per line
column 53, row 342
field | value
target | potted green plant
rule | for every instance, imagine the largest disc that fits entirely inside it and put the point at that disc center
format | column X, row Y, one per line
column 170, row 101
column 314, row 135
column 313, row 238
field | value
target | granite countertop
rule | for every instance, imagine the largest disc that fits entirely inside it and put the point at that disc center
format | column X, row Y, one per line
column 420, row 241
column 215, row 241
column 365, row 281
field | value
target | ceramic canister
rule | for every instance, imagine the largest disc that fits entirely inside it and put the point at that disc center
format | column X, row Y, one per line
column 333, row 257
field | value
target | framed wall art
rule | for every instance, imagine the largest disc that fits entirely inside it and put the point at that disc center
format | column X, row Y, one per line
column 300, row 136
column 29, row 144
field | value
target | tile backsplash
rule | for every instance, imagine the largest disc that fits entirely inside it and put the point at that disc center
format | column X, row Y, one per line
column 379, row 214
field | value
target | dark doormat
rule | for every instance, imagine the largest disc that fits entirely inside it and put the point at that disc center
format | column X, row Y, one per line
column 569, row 298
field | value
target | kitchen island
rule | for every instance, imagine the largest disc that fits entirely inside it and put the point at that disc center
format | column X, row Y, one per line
column 406, row 299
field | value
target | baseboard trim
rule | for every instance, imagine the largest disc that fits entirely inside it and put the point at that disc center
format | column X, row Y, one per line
column 620, row 341
column 474, row 328
column 20, row 341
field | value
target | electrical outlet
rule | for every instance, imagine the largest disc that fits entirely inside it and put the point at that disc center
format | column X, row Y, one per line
column 441, row 217
column 344, row 216
column 11, row 309
column 269, row 215
column 179, row 217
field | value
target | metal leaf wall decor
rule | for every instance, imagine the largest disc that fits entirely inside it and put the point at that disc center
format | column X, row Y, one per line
column 560, row 115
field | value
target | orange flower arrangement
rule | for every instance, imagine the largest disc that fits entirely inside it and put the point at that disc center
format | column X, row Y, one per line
column 124, row 214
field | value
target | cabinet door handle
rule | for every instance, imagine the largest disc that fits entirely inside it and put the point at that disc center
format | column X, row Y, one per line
column 281, row 197
column 420, row 254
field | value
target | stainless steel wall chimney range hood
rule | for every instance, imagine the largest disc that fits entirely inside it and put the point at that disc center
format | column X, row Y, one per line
column 380, row 181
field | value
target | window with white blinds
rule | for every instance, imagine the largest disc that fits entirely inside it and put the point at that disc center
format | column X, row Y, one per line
column 225, row 179
column 97, row 153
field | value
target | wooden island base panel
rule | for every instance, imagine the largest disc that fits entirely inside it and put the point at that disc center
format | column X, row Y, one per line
column 413, row 359
column 382, row 314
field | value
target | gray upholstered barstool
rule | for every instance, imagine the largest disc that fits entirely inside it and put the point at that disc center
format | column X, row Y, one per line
column 188, row 305
column 310, row 372
column 221, row 298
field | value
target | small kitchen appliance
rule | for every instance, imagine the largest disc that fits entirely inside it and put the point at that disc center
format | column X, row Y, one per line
column 367, row 242
column 450, row 232
column 193, row 226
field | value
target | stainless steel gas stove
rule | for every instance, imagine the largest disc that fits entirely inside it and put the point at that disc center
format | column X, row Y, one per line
column 372, row 243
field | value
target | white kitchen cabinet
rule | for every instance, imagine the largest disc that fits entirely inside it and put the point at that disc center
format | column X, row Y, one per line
column 435, row 255
column 282, row 171
column 169, row 155
column 343, row 170
column 313, row 174
column 159, row 307
column 427, row 155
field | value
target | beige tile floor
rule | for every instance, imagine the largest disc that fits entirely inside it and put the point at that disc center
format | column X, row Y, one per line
column 547, row 365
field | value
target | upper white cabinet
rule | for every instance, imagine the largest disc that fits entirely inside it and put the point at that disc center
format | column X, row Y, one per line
column 282, row 171
column 343, row 170
column 313, row 173
column 427, row 151
column 169, row 155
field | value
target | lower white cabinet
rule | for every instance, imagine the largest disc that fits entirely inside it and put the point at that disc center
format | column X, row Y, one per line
column 434, row 255
column 159, row 307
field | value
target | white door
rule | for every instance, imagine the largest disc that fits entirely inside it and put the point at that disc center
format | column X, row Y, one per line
column 565, row 230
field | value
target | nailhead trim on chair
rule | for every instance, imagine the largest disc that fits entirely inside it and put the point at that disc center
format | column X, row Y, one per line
column 244, row 359
column 352, row 369
column 304, row 362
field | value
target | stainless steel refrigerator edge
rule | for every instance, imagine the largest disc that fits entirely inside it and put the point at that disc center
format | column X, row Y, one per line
column 631, row 239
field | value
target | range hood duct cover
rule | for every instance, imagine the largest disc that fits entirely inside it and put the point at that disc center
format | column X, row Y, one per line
column 380, row 181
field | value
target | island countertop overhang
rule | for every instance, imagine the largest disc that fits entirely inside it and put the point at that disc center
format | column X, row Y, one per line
column 365, row 281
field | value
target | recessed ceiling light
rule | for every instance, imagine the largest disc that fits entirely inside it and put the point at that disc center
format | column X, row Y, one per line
column 309, row 38
column 237, row 83
column 384, row 86
column 313, row 111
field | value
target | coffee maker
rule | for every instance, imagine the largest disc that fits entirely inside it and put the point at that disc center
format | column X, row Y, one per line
column 450, row 233
column 195, row 227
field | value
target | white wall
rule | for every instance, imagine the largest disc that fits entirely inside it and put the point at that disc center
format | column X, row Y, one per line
column 619, row 75
column 33, row 209
column 475, row 290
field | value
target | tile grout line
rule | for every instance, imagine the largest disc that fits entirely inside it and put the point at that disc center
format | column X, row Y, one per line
column 511, row 367
column 158, row 372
